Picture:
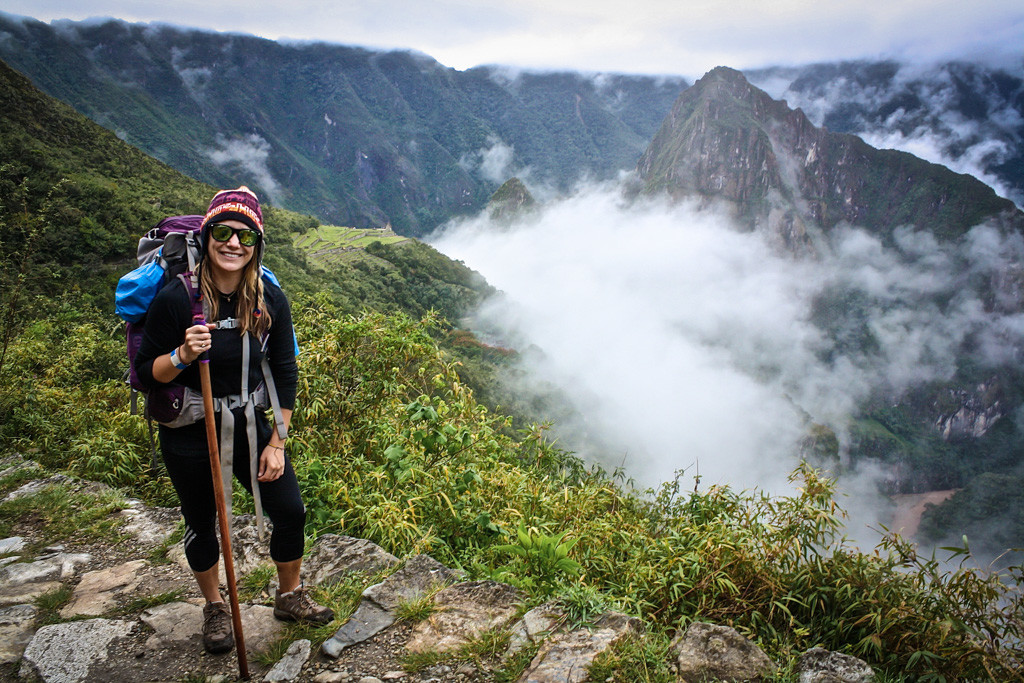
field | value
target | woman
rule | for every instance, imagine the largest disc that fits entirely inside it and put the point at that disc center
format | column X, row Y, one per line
column 238, row 302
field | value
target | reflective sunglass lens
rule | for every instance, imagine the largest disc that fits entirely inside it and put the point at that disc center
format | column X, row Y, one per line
column 220, row 232
column 246, row 237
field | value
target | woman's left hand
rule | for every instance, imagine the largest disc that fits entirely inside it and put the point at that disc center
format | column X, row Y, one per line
column 271, row 463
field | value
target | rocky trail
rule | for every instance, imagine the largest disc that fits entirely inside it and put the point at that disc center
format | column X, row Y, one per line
column 123, row 607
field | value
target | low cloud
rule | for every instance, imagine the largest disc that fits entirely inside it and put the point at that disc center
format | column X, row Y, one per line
column 249, row 156
column 494, row 163
column 686, row 344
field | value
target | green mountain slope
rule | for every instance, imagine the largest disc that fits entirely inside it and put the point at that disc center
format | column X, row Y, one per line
column 728, row 140
column 356, row 137
column 76, row 199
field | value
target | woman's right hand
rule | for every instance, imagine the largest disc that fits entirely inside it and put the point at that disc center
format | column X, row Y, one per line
column 197, row 340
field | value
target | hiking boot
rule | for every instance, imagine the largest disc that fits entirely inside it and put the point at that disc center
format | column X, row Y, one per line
column 298, row 606
column 217, row 637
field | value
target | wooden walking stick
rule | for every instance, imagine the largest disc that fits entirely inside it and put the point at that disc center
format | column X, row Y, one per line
column 222, row 511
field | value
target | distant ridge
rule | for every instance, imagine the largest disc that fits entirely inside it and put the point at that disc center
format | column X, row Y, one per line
column 356, row 137
column 725, row 139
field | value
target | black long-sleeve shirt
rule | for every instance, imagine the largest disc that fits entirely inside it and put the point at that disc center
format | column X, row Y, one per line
column 170, row 315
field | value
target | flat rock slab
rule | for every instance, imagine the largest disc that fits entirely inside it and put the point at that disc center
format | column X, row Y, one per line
column 332, row 557
column 368, row 620
column 67, row 652
column 98, row 591
column 565, row 657
column 17, row 626
column 260, row 628
column 290, row 666
column 34, row 487
column 179, row 625
column 14, row 544
column 173, row 624
column 463, row 612
column 25, row 593
column 54, row 567
column 376, row 611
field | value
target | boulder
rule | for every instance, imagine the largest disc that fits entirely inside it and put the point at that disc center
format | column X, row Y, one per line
column 534, row 626
column 14, row 463
column 14, row 544
column 17, row 624
column 334, row 556
column 713, row 652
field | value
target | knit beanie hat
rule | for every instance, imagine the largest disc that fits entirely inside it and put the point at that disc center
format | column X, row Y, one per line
column 240, row 204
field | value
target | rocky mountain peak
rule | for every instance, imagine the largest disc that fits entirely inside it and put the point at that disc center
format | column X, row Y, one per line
column 728, row 141
column 510, row 200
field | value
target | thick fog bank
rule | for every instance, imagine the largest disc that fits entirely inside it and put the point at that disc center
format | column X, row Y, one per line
column 685, row 344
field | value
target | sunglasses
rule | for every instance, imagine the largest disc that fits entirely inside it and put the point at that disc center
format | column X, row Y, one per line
column 247, row 237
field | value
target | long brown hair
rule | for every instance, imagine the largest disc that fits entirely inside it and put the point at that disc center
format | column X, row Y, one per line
column 251, row 309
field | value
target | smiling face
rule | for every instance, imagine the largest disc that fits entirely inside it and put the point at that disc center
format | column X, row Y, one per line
column 228, row 260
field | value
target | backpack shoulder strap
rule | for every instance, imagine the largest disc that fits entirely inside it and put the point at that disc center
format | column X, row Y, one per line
column 195, row 297
column 275, row 403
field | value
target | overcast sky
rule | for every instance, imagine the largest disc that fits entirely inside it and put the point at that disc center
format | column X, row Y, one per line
column 686, row 37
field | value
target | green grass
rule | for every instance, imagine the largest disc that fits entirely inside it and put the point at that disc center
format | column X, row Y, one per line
column 255, row 582
column 417, row 609
column 330, row 244
column 64, row 513
column 140, row 604
column 50, row 604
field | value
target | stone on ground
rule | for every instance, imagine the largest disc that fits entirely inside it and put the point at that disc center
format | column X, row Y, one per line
column 463, row 612
column 565, row 657
column 98, row 591
column 334, row 556
column 713, row 652
column 66, row 652
column 376, row 611
column 17, row 624
column 290, row 666
column 819, row 665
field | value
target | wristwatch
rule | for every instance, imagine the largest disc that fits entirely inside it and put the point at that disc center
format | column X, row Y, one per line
column 177, row 361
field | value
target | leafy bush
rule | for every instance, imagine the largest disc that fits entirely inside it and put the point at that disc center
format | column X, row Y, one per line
column 391, row 446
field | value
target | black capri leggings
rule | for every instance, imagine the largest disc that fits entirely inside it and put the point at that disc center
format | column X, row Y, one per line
column 189, row 470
